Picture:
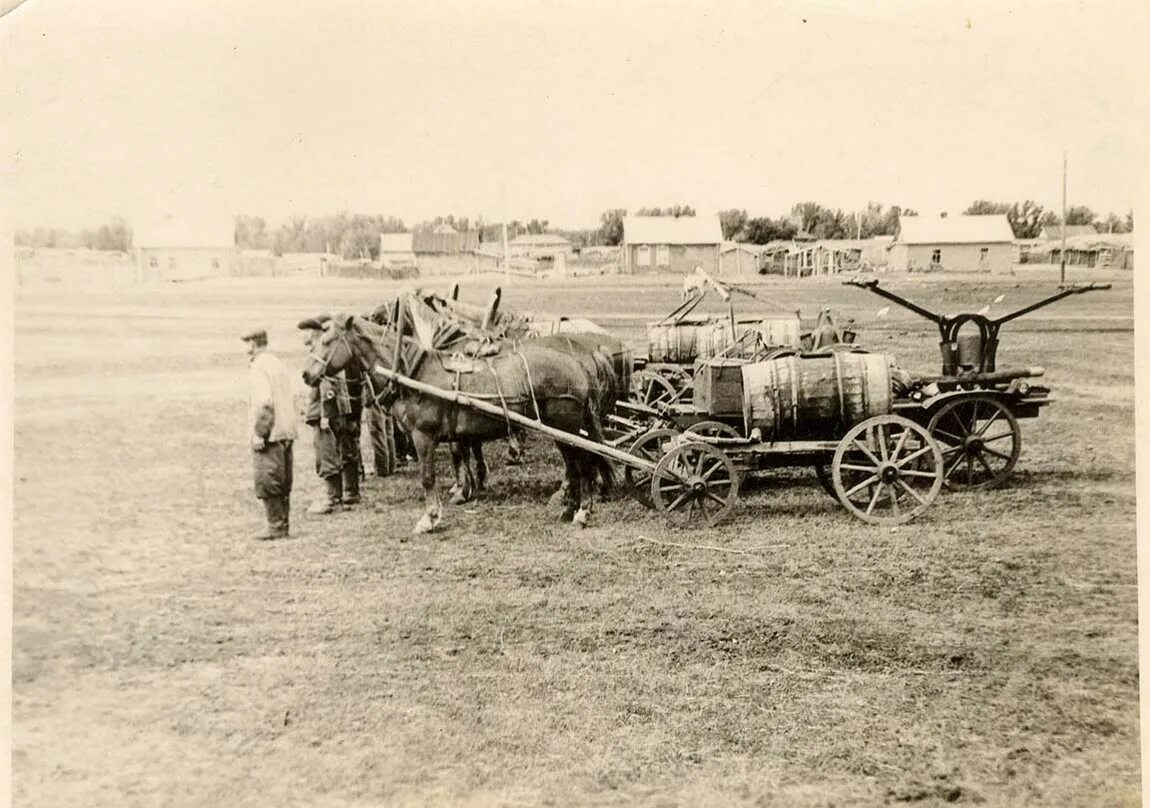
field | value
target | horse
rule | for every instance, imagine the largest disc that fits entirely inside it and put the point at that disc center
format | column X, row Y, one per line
column 531, row 378
column 694, row 284
column 462, row 453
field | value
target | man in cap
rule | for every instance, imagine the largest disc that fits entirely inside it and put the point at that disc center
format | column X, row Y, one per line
column 271, row 420
column 334, row 419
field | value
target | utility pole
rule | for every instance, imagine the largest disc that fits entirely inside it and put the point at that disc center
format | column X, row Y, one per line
column 506, row 253
column 1062, row 274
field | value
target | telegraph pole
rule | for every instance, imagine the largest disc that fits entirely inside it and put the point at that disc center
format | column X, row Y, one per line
column 506, row 254
column 1062, row 274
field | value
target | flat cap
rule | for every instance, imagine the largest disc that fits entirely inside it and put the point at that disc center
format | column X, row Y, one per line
column 317, row 323
column 257, row 335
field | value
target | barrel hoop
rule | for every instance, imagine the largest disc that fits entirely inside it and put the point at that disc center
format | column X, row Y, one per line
column 794, row 365
column 837, row 357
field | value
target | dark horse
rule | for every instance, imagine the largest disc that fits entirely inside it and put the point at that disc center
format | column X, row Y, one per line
column 531, row 379
column 605, row 359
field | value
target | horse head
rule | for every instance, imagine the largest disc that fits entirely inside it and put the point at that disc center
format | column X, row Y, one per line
column 331, row 351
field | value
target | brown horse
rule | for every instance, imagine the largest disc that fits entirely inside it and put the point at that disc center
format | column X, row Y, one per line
column 532, row 380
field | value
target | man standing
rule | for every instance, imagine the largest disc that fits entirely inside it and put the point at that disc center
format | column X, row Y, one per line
column 330, row 414
column 271, row 420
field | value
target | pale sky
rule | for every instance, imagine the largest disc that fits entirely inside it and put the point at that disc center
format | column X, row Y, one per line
column 564, row 109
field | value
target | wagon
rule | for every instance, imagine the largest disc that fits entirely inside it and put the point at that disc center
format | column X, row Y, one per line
column 972, row 407
column 679, row 341
column 884, row 468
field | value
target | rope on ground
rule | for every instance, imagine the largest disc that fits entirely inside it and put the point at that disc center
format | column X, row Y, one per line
column 742, row 551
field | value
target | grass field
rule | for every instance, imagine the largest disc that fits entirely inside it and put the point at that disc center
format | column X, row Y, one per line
column 793, row 656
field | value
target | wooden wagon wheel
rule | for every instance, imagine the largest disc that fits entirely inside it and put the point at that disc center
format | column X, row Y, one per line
column 651, row 446
column 651, row 388
column 694, row 484
column 980, row 440
column 713, row 429
column 681, row 380
column 887, row 470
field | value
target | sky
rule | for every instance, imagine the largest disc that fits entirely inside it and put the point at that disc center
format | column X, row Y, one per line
column 561, row 110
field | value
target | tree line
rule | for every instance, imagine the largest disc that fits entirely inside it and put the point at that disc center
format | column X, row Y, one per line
column 356, row 236
column 115, row 235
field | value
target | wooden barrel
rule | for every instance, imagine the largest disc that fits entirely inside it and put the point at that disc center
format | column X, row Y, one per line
column 690, row 339
column 815, row 397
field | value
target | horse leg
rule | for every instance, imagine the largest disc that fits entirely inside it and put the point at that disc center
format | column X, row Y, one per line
column 480, row 466
column 515, row 451
column 433, row 508
column 571, row 483
column 464, row 488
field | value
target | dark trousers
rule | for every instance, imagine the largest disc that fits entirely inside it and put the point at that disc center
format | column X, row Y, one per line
column 273, row 470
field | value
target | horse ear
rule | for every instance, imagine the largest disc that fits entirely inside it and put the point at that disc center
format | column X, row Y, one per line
column 345, row 320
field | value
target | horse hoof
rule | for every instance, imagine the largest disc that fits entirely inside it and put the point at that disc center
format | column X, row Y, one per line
column 567, row 515
column 580, row 518
column 425, row 525
column 457, row 498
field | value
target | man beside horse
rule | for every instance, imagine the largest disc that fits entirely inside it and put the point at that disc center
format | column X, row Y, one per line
column 334, row 411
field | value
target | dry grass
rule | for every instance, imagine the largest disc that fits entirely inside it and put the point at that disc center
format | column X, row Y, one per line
column 987, row 653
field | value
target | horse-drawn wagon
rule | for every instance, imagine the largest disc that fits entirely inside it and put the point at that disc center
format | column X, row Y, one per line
column 972, row 407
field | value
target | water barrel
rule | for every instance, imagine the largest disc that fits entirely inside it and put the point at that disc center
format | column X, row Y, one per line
column 695, row 338
column 815, row 396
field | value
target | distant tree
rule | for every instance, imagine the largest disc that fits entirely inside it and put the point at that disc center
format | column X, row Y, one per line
column 1113, row 223
column 611, row 226
column 806, row 215
column 251, row 233
column 116, row 235
column 536, row 227
column 676, row 211
column 983, row 207
column 1080, row 214
column 1026, row 218
column 762, row 230
column 732, row 221
column 1130, row 221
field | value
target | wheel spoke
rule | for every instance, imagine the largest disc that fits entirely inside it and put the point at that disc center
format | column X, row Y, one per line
column 894, row 500
column 974, row 416
column 955, row 465
column 673, row 486
column 912, row 492
column 929, row 475
column 912, row 456
column 985, row 465
column 998, row 437
column 868, row 481
column 954, row 438
column 874, row 498
column 988, row 450
column 699, row 463
column 989, row 421
column 716, row 498
column 880, row 436
column 898, row 447
column 677, row 502
column 718, row 465
column 851, row 467
column 867, row 452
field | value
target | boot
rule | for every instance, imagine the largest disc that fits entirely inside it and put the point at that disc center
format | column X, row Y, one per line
column 276, row 510
column 350, row 485
column 333, row 496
